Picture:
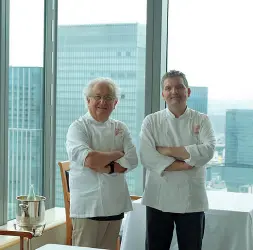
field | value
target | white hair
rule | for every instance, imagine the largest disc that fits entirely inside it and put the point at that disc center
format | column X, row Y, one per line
column 113, row 86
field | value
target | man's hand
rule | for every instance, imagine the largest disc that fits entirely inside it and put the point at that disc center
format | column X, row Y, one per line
column 99, row 160
column 118, row 168
column 119, row 154
column 106, row 170
column 176, row 152
column 178, row 166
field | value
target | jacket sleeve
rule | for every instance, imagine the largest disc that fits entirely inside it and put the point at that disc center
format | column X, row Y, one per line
column 151, row 159
column 202, row 153
column 130, row 159
column 77, row 143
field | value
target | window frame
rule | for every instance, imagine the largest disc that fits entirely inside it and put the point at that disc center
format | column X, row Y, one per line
column 49, row 144
column 156, row 53
column 4, row 90
column 49, row 77
column 156, row 56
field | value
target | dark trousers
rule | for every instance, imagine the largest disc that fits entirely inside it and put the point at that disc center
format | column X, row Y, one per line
column 160, row 226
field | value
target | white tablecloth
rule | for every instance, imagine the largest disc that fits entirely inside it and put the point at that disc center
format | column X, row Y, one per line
column 228, row 224
column 64, row 247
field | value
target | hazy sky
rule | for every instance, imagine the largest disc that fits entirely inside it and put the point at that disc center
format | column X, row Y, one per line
column 211, row 41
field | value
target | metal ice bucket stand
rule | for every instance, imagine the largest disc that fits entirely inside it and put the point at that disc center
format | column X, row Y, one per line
column 30, row 218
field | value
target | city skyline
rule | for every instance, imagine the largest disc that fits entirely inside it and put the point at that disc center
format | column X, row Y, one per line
column 24, row 121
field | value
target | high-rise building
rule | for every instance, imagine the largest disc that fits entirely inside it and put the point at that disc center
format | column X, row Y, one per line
column 25, row 132
column 89, row 51
column 239, row 138
column 198, row 99
column 238, row 169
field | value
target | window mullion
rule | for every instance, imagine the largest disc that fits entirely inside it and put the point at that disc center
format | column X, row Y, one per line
column 50, row 43
column 4, row 83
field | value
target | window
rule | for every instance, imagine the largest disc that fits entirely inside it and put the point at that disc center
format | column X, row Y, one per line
column 210, row 42
column 94, row 43
column 25, row 95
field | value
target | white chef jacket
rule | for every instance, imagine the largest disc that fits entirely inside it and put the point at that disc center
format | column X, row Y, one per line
column 176, row 191
column 94, row 194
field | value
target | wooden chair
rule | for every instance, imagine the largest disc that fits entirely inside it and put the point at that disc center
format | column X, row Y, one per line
column 135, row 197
column 21, row 235
column 64, row 168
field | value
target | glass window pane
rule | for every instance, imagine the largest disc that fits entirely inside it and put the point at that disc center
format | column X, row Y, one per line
column 25, row 99
column 211, row 42
column 100, row 38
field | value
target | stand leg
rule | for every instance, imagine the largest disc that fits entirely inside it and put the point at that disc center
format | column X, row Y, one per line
column 29, row 244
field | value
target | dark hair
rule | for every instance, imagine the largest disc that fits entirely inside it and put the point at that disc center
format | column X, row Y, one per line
column 174, row 73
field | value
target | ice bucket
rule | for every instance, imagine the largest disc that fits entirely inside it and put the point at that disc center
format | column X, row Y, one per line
column 30, row 214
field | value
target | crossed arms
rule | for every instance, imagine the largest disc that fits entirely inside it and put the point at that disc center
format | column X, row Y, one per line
column 99, row 161
column 159, row 159
column 79, row 151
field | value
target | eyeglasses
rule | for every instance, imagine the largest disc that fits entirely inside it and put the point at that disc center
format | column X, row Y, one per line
column 107, row 98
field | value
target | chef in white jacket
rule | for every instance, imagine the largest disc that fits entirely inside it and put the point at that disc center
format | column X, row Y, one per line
column 175, row 145
column 100, row 150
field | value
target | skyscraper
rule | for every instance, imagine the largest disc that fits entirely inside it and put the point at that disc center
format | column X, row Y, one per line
column 198, row 99
column 239, row 138
column 89, row 51
column 25, row 132
column 238, row 169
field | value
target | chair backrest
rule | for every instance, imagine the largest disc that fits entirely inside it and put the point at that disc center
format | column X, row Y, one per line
column 64, row 168
column 135, row 197
column 21, row 234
